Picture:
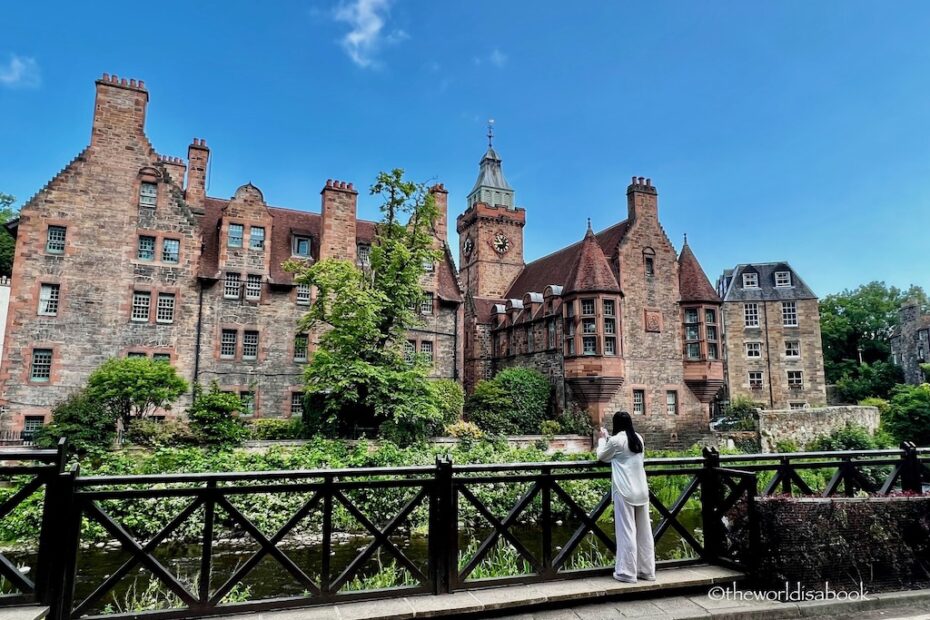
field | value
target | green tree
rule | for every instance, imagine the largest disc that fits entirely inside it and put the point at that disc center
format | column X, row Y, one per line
column 212, row 417
column 490, row 408
column 908, row 415
column 358, row 376
column 134, row 387
column 7, row 242
column 531, row 394
column 82, row 420
column 861, row 319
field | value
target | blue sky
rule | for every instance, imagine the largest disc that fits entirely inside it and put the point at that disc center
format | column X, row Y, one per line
column 793, row 130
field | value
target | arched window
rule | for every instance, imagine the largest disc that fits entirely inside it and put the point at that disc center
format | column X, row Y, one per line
column 649, row 262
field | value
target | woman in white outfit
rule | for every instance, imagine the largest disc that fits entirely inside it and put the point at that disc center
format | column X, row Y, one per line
column 624, row 450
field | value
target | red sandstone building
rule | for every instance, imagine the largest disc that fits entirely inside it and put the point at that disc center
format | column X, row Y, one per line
column 123, row 253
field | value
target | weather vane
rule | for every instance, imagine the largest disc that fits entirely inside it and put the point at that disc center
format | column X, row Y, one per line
column 490, row 131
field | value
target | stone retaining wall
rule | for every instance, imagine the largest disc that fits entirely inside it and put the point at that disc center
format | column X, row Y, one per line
column 802, row 426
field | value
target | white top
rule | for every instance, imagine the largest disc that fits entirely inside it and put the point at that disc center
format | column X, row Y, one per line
column 628, row 472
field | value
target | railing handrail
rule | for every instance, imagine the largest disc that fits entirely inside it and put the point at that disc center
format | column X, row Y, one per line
column 43, row 455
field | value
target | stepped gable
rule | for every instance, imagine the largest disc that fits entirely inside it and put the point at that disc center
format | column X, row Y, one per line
column 591, row 272
column 556, row 267
column 692, row 281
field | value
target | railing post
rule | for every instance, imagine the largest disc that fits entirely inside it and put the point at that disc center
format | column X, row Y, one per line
column 710, row 499
column 910, row 469
column 49, row 534
column 443, row 528
column 327, row 542
column 206, row 550
column 546, row 519
column 64, row 566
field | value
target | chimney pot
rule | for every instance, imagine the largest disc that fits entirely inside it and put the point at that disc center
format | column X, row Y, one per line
column 124, row 82
column 141, row 84
column 648, row 182
column 351, row 187
column 106, row 77
column 132, row 82
column 634, row 181
column 641, row 179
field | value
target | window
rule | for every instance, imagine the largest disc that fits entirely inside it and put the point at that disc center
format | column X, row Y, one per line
column 55, row 241
column 755, row 379
column 148, row 194
column 711, row 350
column 693, row 332
column 301, row 246
column 31, row 424
column 753, row 349
column 551, row 333
column 750, row 280
column 610, row 326
column 671, row 402
column 253, row 286
column 691, row 315
column 250, row 345
column 795, row 379
column 428, row 266
column 164, row 313
column 570, row 346
column 364, row 255
column 303, row 294
column 639, row 402
column 256, row 238
column 140, row 305
column 228, row 344
column 410, row 351
column 161, row 357
column 782, row 278
column 231, row 286
column 426, row 350
column 300, row 348
column 248, row 403
column 297, row 404
column 234, row 239
column 48, row 299
column 41, row 365
column 590, row 345
column 710, row 316
column 570, row 308
column 789, row 313
column 711, row 332
column 610, row 346
column 751, row 314
column 136, row 354
column 797, row 405
column 426, row 305
column 588, row 326
column 610, row 308
column 170, row 250
column 530, row 344
column 146, row 249
column 694, row 350
column 649, row 262
column 792, row 348
column 587, row 306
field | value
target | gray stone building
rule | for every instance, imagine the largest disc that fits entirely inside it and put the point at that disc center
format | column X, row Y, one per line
column 773, row 352
column 910, row 343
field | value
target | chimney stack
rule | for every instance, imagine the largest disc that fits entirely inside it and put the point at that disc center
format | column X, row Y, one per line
column 642, row 199
column 198, row 156
column 441, row 196
column 338, row 221
column 119, row 112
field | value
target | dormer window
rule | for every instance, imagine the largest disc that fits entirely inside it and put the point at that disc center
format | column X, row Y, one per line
column 751, row 280
column 257, row 238
column 300, row 246
column 235, row 236
column 148, row 194
column 782, row 278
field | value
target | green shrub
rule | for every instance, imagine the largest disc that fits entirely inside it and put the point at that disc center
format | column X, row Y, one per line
column 849, row 437
column 83, row 421
column 134, row 387
column 464, row 430
column 908, row 414
column 155, row 434
column 879, row 403
column 451, row 400
column 531, row 394
column 575, row 421
column 550, row 428
column 213, row 420
column 786, row 445
column 869, row 380
column 926, row 370
column 491, row 409
column 742, row 407
column 276, row 428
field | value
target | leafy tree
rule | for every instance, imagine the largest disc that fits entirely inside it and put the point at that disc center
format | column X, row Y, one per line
column 7, row 242
column 531, row 394
column 875, row 380
column 490, row 408
column 82, row 420
column 358, row 376
column 908, row 415
column 212, row 417
column 862, row 318
column 134, row 387
column 451, row 399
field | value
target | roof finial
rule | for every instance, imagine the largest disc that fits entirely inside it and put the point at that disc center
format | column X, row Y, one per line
column 589, row 224
column 686, row 238
column 490, row 132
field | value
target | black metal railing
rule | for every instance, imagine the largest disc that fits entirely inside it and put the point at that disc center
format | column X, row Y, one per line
column 547, row 515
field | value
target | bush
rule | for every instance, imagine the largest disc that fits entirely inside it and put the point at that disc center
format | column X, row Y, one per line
column 464, row 430
column 451, row 400
column 742, row 407
column 879, row 403
column 908, row 415
column 83, row 421
column 550, row 428
column 276, row 428
column 786, row 445
column 490, row 408
column 155, row 434
column 134, row 387
column 575, row 422
column 531, row 394
column 850, row 437
column 926, row 370
column 869, row 380
column 213, row 419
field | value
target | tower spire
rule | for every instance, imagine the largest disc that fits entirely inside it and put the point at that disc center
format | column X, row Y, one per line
column 490, row 133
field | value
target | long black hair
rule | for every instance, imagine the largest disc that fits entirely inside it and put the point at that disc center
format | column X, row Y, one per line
column 623, row 422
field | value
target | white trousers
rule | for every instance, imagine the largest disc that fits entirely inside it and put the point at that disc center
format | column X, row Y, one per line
column 635, row 550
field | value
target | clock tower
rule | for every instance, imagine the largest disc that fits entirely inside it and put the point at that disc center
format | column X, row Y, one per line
column 490, row 231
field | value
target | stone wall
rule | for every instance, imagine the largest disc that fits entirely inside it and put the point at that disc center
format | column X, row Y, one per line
column 804, row 425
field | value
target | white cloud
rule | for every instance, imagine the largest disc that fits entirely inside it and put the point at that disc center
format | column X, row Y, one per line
column 495, row 57
column 20, row 72
column 367, row 19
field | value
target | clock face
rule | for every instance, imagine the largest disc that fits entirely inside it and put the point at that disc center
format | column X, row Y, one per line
column 469, row 246
column 501, row 243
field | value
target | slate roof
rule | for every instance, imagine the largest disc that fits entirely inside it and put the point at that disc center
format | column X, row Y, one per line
column 491, row 174
column 766, row 291
column 693, row 284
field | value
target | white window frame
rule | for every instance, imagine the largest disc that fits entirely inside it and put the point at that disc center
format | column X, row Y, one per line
column 426, row 304
column 782, row 279
column 55, row 239
column 49, row 298
column 259, row 242
column 751, row 280
column 171, row 257
column 253, row 286
column 751, row 311
column 43, row 364
column 250, row 340
column 147, row 253
column 588, row 303
column 754, row 349
column 303, row 294
column 301, row 352
column 410, row 351
column 610, row 345
column 363, row 252
column 789, row 313
column 793, row 352
column 232, row 285
column 164, row 309
column 235, row 241
column 148, row 194
column 137, row 297
column 795, row 378
column 426, row 350
column 297, row 404
column 671, row 402
column 754, row 383
column 228, row 337
column 639, row 402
